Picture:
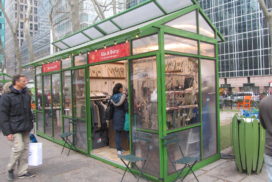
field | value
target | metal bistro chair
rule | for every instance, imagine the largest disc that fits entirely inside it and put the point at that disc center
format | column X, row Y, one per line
column 132, row 160
column 65, row 137
column 187, row 161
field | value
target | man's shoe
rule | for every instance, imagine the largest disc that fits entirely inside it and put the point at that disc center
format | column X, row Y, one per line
column 27, row 175
column 10, row 175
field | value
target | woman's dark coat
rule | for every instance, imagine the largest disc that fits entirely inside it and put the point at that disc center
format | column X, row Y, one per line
column 120, row 108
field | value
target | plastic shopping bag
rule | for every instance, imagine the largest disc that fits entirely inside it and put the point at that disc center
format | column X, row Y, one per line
column 35, row 154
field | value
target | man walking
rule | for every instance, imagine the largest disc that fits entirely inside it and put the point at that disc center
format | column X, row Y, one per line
column 17, row 121
column 266, row 121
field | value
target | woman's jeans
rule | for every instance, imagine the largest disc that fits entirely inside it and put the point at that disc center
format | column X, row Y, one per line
column 118, row 139
column 268, row 165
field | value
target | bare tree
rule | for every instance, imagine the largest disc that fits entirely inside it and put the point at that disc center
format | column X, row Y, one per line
column 74, row 14
column 268, row 16
column 28, row 37
column 13, row 28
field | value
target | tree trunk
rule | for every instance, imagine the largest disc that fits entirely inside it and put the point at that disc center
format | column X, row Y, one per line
column 268, row 16
column 114, row 7
column 74, row 14
column 13, row 29
column 28, row 37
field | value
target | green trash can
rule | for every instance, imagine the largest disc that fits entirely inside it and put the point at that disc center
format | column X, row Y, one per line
column 248, row 140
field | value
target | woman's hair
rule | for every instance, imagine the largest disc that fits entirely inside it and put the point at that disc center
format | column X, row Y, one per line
column 116, row 88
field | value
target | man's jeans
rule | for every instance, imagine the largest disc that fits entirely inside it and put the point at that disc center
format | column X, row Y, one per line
column 268, row 165
column 19, row 153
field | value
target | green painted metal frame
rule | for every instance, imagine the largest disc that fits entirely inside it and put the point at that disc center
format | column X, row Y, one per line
column 160, row 57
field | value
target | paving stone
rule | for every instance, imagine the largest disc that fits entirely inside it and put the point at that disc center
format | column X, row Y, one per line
column 191, row 177
column 227, row 171
column 213, row 165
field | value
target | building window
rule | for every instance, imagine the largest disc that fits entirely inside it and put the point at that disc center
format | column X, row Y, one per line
column 35, row 27
column 30, row 17
column 21, row 7
column 35, row 10
column 21, row 15
column 15, row 6
column 35, row 2
column 35, row 18
column 31, row 26
column 15, row 15
column 22, row 34
column 21, row 25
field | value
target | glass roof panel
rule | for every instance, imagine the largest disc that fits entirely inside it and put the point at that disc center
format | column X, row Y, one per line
column 186, row 22
column 61, row 45
column 132, row 18
column 173, row 5
column 108, row 27
column 205, row 28
column 93, row 33
column 76, row 40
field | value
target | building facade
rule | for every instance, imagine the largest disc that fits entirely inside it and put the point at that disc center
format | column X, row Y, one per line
column 2, row 36
column 244, row 56
column 16, row 10
column 40, row 40
column 245, row 60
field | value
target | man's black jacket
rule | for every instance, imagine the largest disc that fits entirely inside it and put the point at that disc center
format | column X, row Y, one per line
column 15, row 112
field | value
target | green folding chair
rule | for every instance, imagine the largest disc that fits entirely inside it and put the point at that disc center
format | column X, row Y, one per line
column 65, row 137
column 187, row 161
column 131, row 160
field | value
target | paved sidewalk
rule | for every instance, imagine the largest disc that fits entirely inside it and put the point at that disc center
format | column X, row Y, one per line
column 80, row 168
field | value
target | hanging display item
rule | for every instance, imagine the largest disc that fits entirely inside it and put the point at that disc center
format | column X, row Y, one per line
column 113, row 52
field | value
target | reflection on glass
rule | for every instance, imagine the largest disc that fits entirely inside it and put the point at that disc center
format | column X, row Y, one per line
column 81, row 134
column 181, row 91
column 80, row 59
column 205, row 28
column 68, row 127
column 146, row 145
column 209, row 124
column 67, row 93
column 180, row 44
column 146, row 44
column 40, row 121
column 189, row 142
column 186, row 22
column 56, row 105
column 39, row 93
column 79, row 108
column 207, row 49
column 66, row 63
column 38, row 69
column 48, row 105
column 144, row 92
column 79, row 93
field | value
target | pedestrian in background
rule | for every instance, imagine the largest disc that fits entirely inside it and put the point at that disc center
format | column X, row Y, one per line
column 119, row 100
column 16, row 122
column 266, row 121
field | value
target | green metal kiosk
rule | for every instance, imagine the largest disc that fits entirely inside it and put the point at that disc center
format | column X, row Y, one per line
column 165, row 53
